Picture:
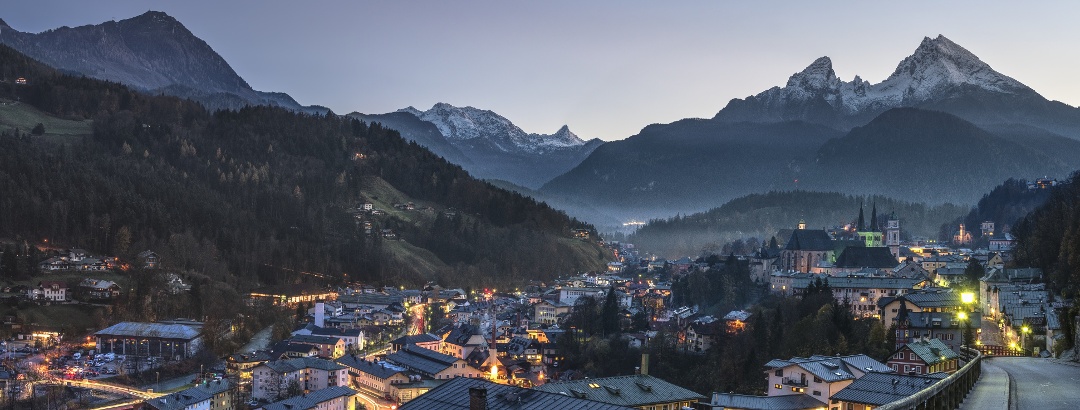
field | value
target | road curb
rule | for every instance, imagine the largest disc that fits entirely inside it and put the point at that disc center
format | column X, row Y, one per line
column 1010, row 385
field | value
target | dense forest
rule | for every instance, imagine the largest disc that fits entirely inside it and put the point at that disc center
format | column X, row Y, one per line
column 1049, row 238
column 762, row 215
column 259, row 195
column 1005, row 205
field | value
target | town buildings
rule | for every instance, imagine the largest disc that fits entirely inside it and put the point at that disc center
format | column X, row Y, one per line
column 274, row 380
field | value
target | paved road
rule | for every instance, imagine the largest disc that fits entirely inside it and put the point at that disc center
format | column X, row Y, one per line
column 992, row 390
column 1034, row 383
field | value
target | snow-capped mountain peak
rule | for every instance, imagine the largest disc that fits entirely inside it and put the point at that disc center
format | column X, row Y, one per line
column 940, row 62
column 818, row 75
column 937, row 68
column 469, row 123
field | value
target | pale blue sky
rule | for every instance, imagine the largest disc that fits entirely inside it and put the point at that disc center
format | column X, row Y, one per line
column 605, row 68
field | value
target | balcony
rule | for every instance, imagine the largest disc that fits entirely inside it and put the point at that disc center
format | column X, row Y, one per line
column 794, row 382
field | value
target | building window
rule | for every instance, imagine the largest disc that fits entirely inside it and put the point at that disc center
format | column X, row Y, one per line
column 776, row 386
column 817, row 393
column 778, row 372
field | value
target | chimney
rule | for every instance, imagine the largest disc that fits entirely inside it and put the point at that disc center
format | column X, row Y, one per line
column 645, row 364
column 477, row 398
column 320, row 314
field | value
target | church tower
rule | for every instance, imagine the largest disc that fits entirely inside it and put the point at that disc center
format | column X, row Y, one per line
column 903, row 335
column 892, row 235
column 871, row 235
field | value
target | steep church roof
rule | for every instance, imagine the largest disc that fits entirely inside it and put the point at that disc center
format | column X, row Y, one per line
column 809, row 240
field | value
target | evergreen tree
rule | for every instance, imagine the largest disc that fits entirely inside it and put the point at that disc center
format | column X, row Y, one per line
column 973, row 272
column 609, row 314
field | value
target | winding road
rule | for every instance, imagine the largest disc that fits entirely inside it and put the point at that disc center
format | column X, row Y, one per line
column 1026, row 383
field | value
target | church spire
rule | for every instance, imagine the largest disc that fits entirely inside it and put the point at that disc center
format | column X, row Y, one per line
column 873, row 218
column 861, row 226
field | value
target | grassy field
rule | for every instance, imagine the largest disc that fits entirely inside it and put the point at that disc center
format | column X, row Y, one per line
column 421, row 259
column 14, row 114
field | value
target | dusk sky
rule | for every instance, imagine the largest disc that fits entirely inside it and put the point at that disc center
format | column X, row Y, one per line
column 605, row 68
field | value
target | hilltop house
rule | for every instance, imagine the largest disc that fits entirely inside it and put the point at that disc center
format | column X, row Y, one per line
column 97, row 289
column 49, row 290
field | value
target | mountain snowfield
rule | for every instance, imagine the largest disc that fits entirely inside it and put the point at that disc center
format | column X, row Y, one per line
column 468, row 123
column 935, row 66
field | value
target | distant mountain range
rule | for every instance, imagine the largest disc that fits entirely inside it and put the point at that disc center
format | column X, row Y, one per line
column 944, row 127
column 152, row 52
column 487, row 144
column 940, row 75
column 155, row 53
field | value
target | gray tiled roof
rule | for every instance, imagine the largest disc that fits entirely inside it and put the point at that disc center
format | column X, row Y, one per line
column 462, row 333
column 941, row 320
column 380, row 370
column 311, row 400
column 420, row 359
column 314, row 339
column 454, row 395
column 866, row 257
column 414, row 339
column 809, row 240
column 932, row 351
column 928, row 298
column 150, row 330
column 879, row 388
column 214, row 387
column 832, row 368
column 292, row 365
column 786, row 402
column 630, row 391
column 179, row 400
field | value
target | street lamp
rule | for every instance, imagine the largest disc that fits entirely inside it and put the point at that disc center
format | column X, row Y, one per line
column 1025, row 330
column 967, row 298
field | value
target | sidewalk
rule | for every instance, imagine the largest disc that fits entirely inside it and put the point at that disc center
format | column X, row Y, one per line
column 991, row 391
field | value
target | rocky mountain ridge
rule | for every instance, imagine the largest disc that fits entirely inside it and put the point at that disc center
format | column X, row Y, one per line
column 151, row 52
column 940, row 75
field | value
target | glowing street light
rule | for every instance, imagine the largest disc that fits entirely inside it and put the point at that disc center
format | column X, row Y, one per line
column 967, row 298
